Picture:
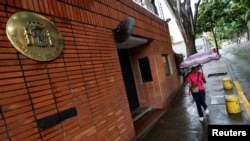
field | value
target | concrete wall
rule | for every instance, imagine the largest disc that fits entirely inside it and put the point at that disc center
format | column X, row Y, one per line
column 202, row 45
column 87, row 75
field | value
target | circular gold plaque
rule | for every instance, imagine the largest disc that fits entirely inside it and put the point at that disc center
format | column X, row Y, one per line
column 34, row 36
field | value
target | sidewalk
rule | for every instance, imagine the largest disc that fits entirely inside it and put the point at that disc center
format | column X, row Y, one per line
column 180, row 122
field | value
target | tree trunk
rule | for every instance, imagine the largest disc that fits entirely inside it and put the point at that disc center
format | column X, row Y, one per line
column 190, row 45
column 186, row 21
column 215, row 41
column 247, row 31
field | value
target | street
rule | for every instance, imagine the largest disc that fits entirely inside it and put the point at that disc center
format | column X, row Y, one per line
column 180, row 122
column 238, row 59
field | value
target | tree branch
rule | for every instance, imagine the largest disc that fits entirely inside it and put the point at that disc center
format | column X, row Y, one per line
column 196, row 5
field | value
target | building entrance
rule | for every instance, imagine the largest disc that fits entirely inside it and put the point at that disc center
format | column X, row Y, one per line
column 128, row 79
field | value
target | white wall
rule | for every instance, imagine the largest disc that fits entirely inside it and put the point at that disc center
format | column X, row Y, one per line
column 202, row 45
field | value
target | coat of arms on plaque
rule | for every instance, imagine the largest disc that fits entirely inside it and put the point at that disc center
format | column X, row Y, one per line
column 34, row 36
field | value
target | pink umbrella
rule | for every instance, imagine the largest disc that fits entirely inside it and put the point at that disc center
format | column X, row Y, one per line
column 200, row 58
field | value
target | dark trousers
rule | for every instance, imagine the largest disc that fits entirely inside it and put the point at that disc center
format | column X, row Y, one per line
column 200, row 100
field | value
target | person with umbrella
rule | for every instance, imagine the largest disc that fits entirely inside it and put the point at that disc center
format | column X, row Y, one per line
column 197, row 79
column 200, row 58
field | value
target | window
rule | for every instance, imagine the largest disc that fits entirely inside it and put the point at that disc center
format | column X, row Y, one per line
column 145, row 69
column 153, row 6
column 167, row 64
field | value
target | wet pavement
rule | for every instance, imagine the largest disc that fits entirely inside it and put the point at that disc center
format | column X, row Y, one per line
column 181, row 122
column 238, row 59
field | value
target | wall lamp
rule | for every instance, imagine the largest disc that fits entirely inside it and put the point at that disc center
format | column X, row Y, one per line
column 167, row 20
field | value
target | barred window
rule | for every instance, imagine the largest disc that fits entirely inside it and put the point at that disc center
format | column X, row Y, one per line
column 167, row 64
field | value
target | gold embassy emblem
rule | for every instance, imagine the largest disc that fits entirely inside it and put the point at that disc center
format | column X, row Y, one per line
column 34, row 36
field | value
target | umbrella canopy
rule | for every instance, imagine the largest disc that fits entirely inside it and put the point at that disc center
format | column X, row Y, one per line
column 200, row 58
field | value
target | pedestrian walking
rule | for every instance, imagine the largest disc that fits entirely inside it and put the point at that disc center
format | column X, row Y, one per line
column 196, row 81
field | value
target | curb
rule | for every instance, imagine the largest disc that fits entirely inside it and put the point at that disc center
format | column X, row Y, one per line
column 140, row 136
column 239, row 90
column 243, row 97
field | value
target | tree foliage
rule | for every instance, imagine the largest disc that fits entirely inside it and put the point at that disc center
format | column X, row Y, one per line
column 239, row 16
column 211, row 15
column 215, row 16
column 227, row 18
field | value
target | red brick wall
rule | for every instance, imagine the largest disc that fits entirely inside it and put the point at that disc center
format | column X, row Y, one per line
column 86, row 75
column 160, row 91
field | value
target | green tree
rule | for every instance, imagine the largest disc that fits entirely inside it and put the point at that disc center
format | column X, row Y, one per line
column 239, row 16
column 211, row 16
column 225, row 18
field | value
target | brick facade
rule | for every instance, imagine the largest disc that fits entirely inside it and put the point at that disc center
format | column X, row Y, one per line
column 87, row 75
